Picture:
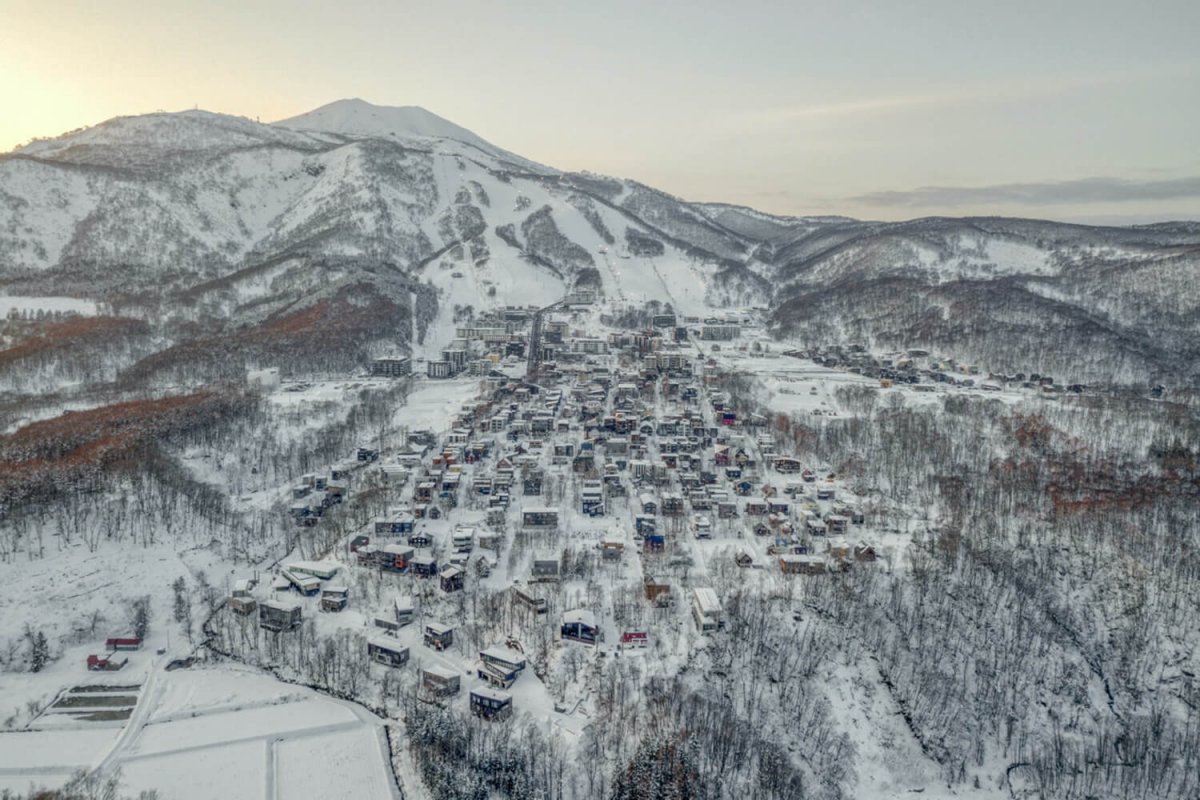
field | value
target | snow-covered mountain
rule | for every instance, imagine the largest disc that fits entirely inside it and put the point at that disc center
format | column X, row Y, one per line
column 213, row 224
column 357, row 118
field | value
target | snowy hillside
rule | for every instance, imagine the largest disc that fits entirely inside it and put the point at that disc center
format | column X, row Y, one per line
column 209, row 227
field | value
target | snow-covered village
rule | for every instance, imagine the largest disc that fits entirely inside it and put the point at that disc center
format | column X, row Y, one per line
column 554, row 534
column 787, row 402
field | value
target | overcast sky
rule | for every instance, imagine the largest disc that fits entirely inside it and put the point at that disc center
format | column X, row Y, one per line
column 1061, row 109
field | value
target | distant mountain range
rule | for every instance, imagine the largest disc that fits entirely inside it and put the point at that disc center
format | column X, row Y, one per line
column 379, row 228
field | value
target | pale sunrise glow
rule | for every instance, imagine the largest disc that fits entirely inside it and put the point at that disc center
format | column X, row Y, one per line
column 781, row 106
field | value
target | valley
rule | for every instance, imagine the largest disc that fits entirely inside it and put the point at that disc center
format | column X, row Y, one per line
column 353, row 455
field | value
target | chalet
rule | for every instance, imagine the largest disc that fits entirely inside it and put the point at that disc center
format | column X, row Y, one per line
column 612, row 549
column 545, row 568
column 653, row 541
column 531, row 484
column 422, row 538
column 366, row 453
column 387, row 625
column 786, row 465
column 403, row 610
column 540, row 518
column 115, row 643
column 644, row 524
column 394, row 557
column 816, row 527
column 424, row 565
column 706, row 609
column 490, row 704
column 451, row 579
column 672, row 504
column 399, row 524
column 756, row 508
column 500, row 666
column 584, row 462
column 449, row 484
column 779, row 506
column 825, row 493
column 635, row 639
column 244, row 606
column 837, row 523
column 648, row 503
column 439, row 681
column 527, row 598
column 105, row 663
column 277, row 615
column 580, row 625
column 793, row 564
column 864, row 552
column 365, row 554
column 318, row 569
column 743, row 487
column 424, row 491
column 438, row 636
column 591, row 499
column 702, row 527
column 838, row 549
column 306, row 585
column 726, row 510
column 655, row 591
column 463, row 539
column 335, row 598
column 383, row 650
column 721, row 456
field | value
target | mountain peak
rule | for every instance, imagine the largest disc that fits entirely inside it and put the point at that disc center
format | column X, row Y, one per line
column 357, row 117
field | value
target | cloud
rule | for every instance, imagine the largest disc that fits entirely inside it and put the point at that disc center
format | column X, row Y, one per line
column 1046, row 193
column 961, row 95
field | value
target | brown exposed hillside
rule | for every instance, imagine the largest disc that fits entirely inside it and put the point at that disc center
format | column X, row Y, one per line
column 42, row 339
column 72, row 451
column 329, row 334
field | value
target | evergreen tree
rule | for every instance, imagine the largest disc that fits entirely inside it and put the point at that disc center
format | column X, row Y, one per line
column 39, row 653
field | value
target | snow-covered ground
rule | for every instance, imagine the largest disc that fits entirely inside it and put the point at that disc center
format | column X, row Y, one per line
column 223, row 731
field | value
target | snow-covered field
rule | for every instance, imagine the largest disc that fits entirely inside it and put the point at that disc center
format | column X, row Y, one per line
column 209, row 732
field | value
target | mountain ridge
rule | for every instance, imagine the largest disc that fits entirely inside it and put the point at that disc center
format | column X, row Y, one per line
column 210, row 222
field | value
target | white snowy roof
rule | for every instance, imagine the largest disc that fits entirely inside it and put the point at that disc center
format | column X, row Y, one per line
column 503, row 654
column 707, row 599
column 581, row 616
column 492, row 694
column 441, row 672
